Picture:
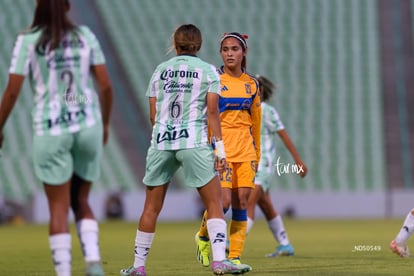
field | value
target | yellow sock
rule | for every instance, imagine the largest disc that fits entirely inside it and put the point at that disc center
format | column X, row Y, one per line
column 237, row 238
column 203, row 227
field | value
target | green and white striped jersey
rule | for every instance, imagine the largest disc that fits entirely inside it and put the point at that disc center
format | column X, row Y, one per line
column 271, row 124
column 180, row 86
column 64, row 96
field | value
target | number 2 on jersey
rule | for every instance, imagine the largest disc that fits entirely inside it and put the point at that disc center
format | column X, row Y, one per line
column 67, row 77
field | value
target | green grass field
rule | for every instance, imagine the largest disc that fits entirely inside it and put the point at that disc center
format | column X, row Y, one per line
column 323, row 247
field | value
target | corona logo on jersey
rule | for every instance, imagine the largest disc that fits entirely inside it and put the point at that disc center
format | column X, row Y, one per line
column 175, row 80
column 167, row 74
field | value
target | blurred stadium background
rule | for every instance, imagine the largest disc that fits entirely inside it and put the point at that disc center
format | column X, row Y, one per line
column 344, row 72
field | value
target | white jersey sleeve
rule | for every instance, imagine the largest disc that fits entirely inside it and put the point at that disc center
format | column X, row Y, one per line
column 96, row 57
column 271, row 123
column 20, row 57
column 271, row 119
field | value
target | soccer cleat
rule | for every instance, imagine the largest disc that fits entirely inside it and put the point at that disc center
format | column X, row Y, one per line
column 282, row 250
column 133, row 271
column 203, row 251
column 400, row 249
column 236, row 261
column 94, row 269
column 228, row 267
column 244, row 267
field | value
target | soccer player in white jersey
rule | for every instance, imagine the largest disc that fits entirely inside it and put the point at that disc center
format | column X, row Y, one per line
column 271, row 124
column 183, row 93
column 399, row 244
column 70, row 127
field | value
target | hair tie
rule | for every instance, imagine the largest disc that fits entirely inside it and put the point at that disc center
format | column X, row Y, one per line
column 240, row 37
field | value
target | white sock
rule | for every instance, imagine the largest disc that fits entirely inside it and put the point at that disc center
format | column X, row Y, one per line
column 278, row 230
column 250, row 222
column 406, row 230
column 60, row 245
column 143, row 242
column 88, row 236
column 217, row 229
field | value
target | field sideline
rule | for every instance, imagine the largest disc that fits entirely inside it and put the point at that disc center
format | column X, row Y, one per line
column 323, row 247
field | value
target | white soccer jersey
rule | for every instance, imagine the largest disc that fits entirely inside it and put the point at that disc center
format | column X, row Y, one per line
column 180, row 86
column 64, row 96
column 271, row 123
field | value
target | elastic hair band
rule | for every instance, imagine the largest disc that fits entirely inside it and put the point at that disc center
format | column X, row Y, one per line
column 242, row 39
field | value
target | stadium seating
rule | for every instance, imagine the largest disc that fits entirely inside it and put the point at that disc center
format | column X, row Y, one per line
column 322, row 54
column 17, row 179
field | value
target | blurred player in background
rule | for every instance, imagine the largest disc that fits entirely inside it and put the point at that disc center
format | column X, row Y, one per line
column 271, row 124
column 183, row 93
column 399, row 244
column 70, row 128
column 240, row 114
